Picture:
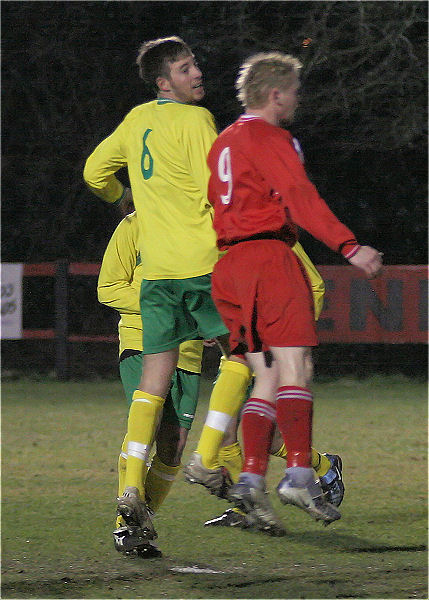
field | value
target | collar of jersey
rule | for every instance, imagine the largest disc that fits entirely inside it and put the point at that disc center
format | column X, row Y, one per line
column 250, row 117
column 167, row 100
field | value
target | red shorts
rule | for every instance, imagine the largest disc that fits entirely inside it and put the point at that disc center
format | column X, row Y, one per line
column 262, row 293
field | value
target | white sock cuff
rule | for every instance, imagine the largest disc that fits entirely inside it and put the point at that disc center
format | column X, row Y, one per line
column 138, row 450
column 218, row 420
column 143, row 400
column 295, row 393
column 161, row 475
column 261, row 408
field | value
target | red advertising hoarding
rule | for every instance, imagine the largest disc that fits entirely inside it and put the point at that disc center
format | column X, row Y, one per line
column 391, row 309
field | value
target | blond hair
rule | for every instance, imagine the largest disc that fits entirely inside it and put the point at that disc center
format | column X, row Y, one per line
column 262, row 72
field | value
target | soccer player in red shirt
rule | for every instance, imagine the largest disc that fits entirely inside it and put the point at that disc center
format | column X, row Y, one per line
column 261, row 195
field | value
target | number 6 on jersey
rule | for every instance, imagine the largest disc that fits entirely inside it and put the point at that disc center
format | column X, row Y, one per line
column 225, row 173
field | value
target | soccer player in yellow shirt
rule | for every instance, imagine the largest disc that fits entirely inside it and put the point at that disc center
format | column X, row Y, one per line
column 164, row 144
column 119, row 288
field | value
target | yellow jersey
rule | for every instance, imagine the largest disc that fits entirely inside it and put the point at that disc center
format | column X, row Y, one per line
column 316, row 281
column 119, row 287
column 164, row 144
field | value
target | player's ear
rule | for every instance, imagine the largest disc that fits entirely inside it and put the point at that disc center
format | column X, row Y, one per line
column 163, row 84
column 274, row 95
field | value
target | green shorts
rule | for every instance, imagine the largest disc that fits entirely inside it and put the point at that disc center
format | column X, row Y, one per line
column 176, row 310
column 181, row 402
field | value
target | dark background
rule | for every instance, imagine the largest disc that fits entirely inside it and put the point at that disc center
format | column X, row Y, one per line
column 69, row 77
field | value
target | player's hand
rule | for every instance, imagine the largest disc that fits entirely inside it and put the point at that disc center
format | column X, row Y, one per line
column 126, row 205
column 369, row 260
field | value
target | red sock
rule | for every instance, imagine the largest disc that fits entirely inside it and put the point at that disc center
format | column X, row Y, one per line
column 294, row 419
column 257, row 424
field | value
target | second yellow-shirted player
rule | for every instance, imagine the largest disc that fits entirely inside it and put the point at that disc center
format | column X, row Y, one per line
column 119, row 288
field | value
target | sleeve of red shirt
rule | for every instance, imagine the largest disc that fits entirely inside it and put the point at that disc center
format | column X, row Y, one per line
column 281, row 167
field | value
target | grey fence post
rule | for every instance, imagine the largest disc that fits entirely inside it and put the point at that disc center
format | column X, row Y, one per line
column 61, row 320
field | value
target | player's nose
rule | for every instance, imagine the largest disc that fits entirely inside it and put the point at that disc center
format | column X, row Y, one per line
column 196, row 72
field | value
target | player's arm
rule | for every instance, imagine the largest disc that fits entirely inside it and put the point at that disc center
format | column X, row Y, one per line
column 316, row 281
column 101, row 166
column 369, row 260
column 116, row 274
column 283, row 169
column 199, row 133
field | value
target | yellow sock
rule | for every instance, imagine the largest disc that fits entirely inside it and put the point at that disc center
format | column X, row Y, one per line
column 159, row 480
column 231, row 458
column 142, row 423
column 120, row 522
column 122, row 466
column 225, row 402
column 319, row 462
column 281, row 452
column 238, row 511
column 122, row 469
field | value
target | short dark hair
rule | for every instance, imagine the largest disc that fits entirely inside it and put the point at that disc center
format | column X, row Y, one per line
column 154, row 56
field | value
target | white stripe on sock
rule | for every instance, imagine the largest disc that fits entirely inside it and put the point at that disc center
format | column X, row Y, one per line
column 299, row 394
column 165, row 476
column 138, row 450
column 218, row 420
column 261, row 409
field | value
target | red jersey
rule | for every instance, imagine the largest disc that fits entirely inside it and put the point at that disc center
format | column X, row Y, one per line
column 258, row 186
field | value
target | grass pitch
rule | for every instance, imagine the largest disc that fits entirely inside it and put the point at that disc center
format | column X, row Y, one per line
column 60, row 442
